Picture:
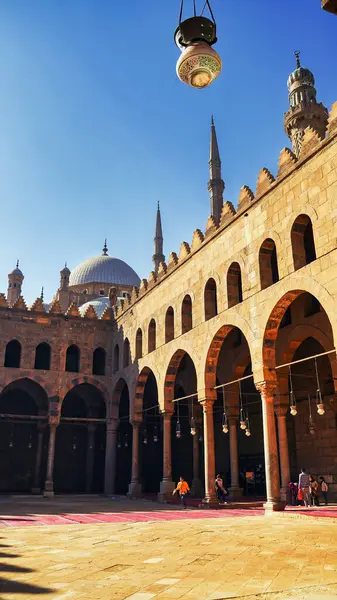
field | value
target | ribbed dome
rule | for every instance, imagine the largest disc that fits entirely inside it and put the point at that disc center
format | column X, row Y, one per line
column 104, row 269
column 301, row 76
column 17, row 271
column 99, row 305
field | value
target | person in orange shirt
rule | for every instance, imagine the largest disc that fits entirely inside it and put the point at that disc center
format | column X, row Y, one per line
column 182, row 488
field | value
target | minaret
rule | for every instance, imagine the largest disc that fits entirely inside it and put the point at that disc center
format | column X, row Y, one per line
column 15, row 279
column 64, row 278
column 216, row 185
column 158, row 256
column 304, row 109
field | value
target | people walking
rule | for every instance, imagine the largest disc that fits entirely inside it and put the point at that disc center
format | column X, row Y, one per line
column 324, row 489
column 221, row 493
column 314, row 489
column 304, row 486
column 183, row 489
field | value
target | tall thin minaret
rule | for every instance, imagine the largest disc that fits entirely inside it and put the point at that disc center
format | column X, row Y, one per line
column 216, row 185
column 158, row 255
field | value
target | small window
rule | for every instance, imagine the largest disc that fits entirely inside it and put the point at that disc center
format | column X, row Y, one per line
column 98, row 362
column 13, row 354
column 210, row 300
column 73, row 359
column 101, row 292
column 125, row 294
column 85, row 291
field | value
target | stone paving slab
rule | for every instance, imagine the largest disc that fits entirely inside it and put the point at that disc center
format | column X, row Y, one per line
column 251, row 557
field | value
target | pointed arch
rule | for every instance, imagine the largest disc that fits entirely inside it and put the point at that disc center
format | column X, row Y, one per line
column 210, row 299
column 139, row 343
column 152, row 336
column 13, row 354
column 268, row 264
column 115, row 362
column 42, row 356
column 234, row 285
column 169, row 325
column 73, row 359
column 98, row 361
column 126, row 353
column 186, row 314
column 302, row 242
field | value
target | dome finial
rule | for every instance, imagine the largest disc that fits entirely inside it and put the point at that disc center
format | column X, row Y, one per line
column 297, row 55
column 17, row 263
column 42, row 294
column 105, row 249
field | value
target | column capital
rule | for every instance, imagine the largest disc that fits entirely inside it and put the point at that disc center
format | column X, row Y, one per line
column 135, row 423
column 281, row 410
column 53, row 420
column 206, row 403
column 266, row 389
column 167, row 413
column 112, row 424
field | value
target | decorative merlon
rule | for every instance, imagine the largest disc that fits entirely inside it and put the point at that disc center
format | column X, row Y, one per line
column 162, row 270
column 152, row 278
column 286, row 162
column 107, row 314
column 3, row 301
column 134, row 294
column 55, row 308
column 332, row 121
column 227, row 213
column 264, row 182
column 90, row 313
column 20, row 304
column 246, row 197
column 185, row 250
column 211, row 226
column 73, row 311
column 37, row 306
column 197, row 240
column 311, row 140
column 143, row 286
column 172, row 261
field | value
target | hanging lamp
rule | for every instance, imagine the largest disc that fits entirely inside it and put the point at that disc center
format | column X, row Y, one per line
column 198, row 64
column 145, row 437
column 247, row 431
column 243, row 424
column 312, row 428
column 178, row 429
column 224, row 416
column 192, row 424
column 319, row 399
column 155, row 434
column 292, row 399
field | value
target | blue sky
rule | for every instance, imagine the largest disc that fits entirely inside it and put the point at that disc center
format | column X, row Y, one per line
column 96, row 127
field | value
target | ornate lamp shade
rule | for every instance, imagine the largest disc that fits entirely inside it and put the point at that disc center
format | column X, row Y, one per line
column 198, row 64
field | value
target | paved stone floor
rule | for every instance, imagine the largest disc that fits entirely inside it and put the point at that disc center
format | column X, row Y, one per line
column 190, row 556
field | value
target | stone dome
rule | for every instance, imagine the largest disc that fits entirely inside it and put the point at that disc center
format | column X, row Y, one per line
column 17, row 271
column 99, row 305
column 104, row 269
column 301, row 76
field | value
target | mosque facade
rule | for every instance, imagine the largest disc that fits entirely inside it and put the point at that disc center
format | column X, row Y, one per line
column 222, row 360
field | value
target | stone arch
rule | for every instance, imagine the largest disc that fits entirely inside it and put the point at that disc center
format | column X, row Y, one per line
column 171, row 374
column 140, row 387
column 13, row 354
column 42, row 356
column 210, row 299
column 276, row 313
column 234, row 285
column 268, row 263
column 302, row 241
column 99, row 361
column 29, row 375
column 85, row 379
column 73, row 356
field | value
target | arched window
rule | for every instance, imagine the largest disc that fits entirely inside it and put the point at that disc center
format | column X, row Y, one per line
column 115, row 366
column 126, row 353
column 302, row 242
column 152, row 336
column 13, row 354
column 139, row 343
column 268, row 264
column 211, row 305
column 234, row 285
column 42, row 356
column 98, row 361
column 73, row 359
column 186, row 314
column 169, row 325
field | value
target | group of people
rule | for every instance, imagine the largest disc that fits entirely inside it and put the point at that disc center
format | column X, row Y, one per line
column 183, row 489
column 309, row 489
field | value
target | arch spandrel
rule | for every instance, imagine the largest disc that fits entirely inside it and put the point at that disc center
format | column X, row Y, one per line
column 166, row 391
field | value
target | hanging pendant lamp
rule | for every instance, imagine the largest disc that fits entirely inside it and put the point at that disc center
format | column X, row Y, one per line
column 198, row 64
column 292, row 399
column 319, row 399
column 224, row 416
column 243, row 424
column 178, row 429
column 312, row 428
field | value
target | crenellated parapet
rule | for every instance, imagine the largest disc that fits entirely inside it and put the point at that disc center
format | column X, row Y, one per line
column 312, row 141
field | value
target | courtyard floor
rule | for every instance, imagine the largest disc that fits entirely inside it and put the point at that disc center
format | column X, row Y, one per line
column 97, row 548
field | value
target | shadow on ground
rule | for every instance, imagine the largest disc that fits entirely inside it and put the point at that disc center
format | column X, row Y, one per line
column 11, row 586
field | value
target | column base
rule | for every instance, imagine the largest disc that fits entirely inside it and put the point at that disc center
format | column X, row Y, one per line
column 36, row 490
column 273, row 506
column 235, row 492
column 166, row 490
column 197, row 488
column 135, row 490
column 49, row 489
column 209, row 502
column 284, row 491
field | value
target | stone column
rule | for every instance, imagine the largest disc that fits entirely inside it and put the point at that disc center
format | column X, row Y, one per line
column 110, row 456
column 209, row 452
column 234, row 490
column 49, row 484
column 36, row 489
column 167, row 485
column 281, row 415
column 196, row 487
column 90, row 457
column 135, row 489
column 273, row 503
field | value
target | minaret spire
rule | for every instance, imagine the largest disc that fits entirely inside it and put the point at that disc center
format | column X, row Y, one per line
column 158, row 255
column 216, row 185
column 105, row 249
